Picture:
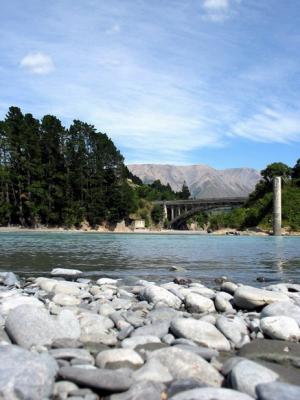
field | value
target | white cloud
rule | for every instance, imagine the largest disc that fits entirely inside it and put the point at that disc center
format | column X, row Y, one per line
column 37, row 63
column 217, row 10
column 114, row 29
column 270, row 125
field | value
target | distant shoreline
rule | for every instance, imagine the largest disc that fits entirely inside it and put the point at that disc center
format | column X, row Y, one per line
column 220, row 232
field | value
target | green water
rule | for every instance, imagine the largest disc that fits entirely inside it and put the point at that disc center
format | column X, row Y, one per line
column 151, row 256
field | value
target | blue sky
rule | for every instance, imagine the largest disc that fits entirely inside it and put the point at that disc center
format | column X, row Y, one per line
column 171, row 81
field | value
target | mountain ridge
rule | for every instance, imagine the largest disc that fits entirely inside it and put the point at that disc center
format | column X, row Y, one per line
column 203, row 180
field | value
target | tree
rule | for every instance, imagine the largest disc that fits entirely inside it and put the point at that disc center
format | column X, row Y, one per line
column 276, row 169
column 185, row 192
column 296, row 173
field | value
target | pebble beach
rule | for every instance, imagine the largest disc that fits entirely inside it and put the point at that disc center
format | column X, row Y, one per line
column 66, row 336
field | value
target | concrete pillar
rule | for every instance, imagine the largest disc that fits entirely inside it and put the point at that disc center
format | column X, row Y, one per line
column 179, row 210
column 277, row 206
column 172, row 212
column 165, row 212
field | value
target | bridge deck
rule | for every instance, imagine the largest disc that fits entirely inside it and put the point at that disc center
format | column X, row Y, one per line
column 226, row 200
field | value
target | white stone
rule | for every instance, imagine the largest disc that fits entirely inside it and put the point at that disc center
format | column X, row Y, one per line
column 183, row 364
column 250, row 298
column 135, row 341
column 196, row 303
column 201, row 332
column 65, row 300
column 107, row 357
column 14, row 299
column 280, row 327
column 234, row 328
column 65, row 272
column 283, row 308
column 222, row 302
column 107, row 281
column 211, row 394
column 97, row 329
column 155, row 294
column 153, row 371
column 246, row 375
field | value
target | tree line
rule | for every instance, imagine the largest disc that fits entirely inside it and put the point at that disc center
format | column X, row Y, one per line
column 57, row 176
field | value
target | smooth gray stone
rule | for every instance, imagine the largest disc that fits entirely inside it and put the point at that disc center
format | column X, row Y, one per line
column 153, row 371
column 204, row 352
column 201, row 332
column 119, row 358
column 103, row 379
column 285, row 308
column 4, row 337
column 211, row 394
column 8, row 278
column 66, row 272
column 183, row 385
column 158, row 329
column 68, row 354
column 249, row 297
column 246, row 375
column 29, row 375
column 125, row 332
column 142, row 391
column 97, row 329
column 184, row 364
column 234, row 328
column 63, row 388
column 134, row 341
column 229, row 364
column 278, row 391
column 196, row 303
column 134, row 318
column 155, row 294
column 280, row 327
column 30, row 326
column 163, row 314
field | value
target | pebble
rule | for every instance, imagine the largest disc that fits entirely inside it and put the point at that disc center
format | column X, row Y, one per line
column 249, row 298
column 66, row 272
column 282, row 308
column 155, row 294
column 108, row 380
column 246, row 375
column 278, row 391
column 29, row 375
column 201, row 332
column 119, row 358
column 280, row 327
column 196, row 303
column 153, row 371
column 211, row 394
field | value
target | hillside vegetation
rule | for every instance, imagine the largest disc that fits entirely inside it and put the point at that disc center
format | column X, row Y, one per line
column 257, row 212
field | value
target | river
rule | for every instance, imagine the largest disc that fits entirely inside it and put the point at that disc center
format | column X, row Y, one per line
column 151, row 257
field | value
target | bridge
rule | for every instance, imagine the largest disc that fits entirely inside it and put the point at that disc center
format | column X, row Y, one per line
column 176, row 212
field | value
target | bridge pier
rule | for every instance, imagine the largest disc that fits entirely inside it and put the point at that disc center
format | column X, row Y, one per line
column 172, row 212
column 165, row 212
column 277, row 206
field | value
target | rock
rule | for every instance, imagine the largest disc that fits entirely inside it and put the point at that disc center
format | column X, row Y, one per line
column 211, row 394
column 63, row 388
column 119, row 358
column 153, row 371
column 25, row 374
column 250, row 298
column 246, row 375
column 204, row 352
column 201, row 332
column 177, row 268
column 66, row 272
column 67, row 288
column 229, row 287
column 32, row 326
column 229, row 364
column 68, row 354
column 183, row 385
column 280, row 327
column 155, row 294
column 271, row 350
column 158, row 329
column 8, row 278
column 142, row 391
column 12, row 299
column 234, row 328
column 179, row 280
column 67, row 326
column 186, row 365
column 107, row 281
column 282, row 308
column 135, row 341
column 108, row 380
column 163, row 314
column 222, row 302
column 278, row 391
column 97, row 329
column 195, row 303
column 66, row 300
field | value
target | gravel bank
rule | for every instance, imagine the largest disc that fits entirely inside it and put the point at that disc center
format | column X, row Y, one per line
column 67, row 337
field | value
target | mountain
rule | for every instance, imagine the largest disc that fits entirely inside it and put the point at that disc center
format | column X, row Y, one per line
column 202, row 180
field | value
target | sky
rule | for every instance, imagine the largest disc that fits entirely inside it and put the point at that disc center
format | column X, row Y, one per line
column 212, row 82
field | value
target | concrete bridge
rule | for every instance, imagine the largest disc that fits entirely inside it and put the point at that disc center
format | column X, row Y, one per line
column 176, row 212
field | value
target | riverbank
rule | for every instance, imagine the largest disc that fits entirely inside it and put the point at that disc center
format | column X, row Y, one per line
column 66, row 337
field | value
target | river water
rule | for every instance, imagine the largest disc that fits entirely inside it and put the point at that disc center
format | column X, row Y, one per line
column 151, row 257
